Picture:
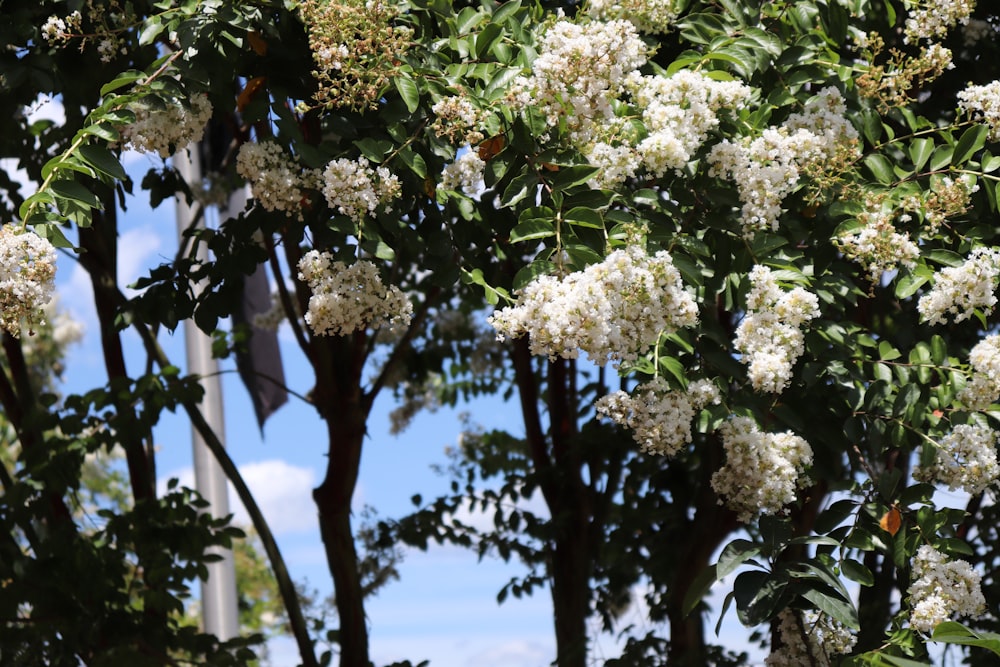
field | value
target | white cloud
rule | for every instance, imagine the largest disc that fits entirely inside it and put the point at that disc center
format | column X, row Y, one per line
column 513, row 653
column 283, row 492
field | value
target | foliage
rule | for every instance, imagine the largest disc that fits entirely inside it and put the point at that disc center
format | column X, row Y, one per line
column 804, row 193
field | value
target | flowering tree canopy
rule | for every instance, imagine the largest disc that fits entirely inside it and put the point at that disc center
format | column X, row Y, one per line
column 774, row 222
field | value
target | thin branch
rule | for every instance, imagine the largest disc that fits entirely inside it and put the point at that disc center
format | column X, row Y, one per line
column 527, row 386
column 286, row 586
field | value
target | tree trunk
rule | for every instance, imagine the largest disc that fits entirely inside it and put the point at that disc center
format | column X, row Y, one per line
column 571, row 589
column 571, row 517
column 346, row 430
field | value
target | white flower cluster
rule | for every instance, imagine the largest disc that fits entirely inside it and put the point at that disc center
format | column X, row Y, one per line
column 942, row 588
column 959, row 290
column 278, row 183
column 579, row 72
column 983, row 103
column 770, row 335
column 766, row 169
column 56, row 29
column 457, row 119
column 351, row 298
column 354, row 189
column 660, row 419
column 27, row 277
column 166, row 126
column 615, row 310
column 966, row 459
column 331, row 57
column 983, row 388
column 616, row 163
column 465, row 174
column 649, row 16
column 932, row 19
column 877, row 246
column 826, row 638
column 762, row 470
column 679, row 111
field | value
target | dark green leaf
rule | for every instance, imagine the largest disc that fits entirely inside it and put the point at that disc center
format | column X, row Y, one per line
column 855, row 571
column 74, row 191
column 971, row 141
column 104, row 161
column 408, row 91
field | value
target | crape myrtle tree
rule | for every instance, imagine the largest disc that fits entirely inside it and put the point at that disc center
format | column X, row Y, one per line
column 772, row 221
column 817, row 252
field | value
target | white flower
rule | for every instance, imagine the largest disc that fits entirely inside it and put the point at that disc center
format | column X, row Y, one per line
column 983, row 388
column 767, row 169
column 615, row 310
column 54, row 29
column 660, row 419
column 351, row 298
column 168, row 126
column 27, row 277
column 877, row 246
column 355, row 190
column 932, row 19
column 808, row 638
column 762, row 470
column 959, row 290
column 679, row 111
column 277, row 182
column 579, row 72
column 648, row 16
column 465, row 174
column 966, row 459
column 983, row 102
column 770, row 336
column 941, row 589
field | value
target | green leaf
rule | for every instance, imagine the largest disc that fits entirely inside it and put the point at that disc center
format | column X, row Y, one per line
column 886, row 351
column 475, row 277
column 909, row 395
column 971, row 141
column 532, row 271
column 54, row 235
column 408, row 91
column 909, row 283
column 855, row 571
column 735, row 554
column 74, row 191
column 532, row 228
column 122, row 80
column 946, row 257
column 581, row 216
column 518, row 189
column 506, row 10
column 468, row 19
column 486, row 39
column 881, row 168
column 941, row 157
column 699, row 588
column 104, row 161
column 102, row 130
column 950, row 632
column 834, row 606
column 920, row 152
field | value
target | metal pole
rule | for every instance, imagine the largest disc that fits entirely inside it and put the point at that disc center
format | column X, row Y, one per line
column 218, row 593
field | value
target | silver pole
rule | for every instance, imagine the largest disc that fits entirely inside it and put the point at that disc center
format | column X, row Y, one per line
column 218, row 593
